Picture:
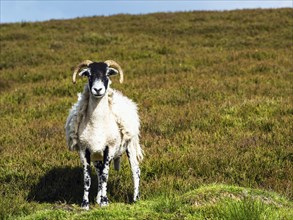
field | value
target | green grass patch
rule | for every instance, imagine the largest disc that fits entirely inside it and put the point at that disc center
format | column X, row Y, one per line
column 207, row 202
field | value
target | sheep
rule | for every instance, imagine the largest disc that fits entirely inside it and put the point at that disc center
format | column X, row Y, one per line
column 102, row 125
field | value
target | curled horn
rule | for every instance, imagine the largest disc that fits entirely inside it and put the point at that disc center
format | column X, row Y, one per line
column 84, row 63
column 112, row 63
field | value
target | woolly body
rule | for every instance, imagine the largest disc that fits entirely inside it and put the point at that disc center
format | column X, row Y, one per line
column 90, row 127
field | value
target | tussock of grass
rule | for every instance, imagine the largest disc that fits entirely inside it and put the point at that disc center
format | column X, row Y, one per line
column 244, row 209
column 214, row 91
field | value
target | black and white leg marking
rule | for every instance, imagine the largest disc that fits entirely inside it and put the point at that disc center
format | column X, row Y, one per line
column 85, row 159
column 135, row 172
column 99, row 171
column 108, row 156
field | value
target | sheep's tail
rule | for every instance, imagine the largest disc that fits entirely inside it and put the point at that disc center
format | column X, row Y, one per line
column 134, row 144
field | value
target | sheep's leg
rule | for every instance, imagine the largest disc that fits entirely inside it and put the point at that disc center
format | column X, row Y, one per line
column 99, row 171
column 131, row 153
column 85, row 159
column 108, row 156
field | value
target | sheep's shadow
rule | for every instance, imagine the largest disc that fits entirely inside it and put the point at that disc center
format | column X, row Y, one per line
column 65, row 184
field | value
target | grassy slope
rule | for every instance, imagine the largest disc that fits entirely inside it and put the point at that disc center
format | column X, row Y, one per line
column 215, row 97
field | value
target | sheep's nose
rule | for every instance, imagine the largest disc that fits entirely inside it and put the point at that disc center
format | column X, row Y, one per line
column 97, row 90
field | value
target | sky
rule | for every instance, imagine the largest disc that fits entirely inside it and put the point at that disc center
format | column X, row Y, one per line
column 42, row 10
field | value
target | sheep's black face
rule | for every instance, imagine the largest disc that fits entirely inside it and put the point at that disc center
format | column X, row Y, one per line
column 98, row 78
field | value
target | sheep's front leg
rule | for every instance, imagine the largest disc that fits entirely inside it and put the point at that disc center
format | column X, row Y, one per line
column 131, row 153
column 99, row 170
column 108, row 156
column 85, row 160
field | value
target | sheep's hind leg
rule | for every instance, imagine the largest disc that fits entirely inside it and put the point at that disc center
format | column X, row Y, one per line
column 135, row 172
column 108, row 156
column 99, row 171
column 85, row 159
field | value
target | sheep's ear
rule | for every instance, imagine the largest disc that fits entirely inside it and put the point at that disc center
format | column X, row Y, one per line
column 111, row 71
column 85, row 72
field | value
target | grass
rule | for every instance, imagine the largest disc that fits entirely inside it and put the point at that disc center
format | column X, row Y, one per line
column 207, row 202
column 215, row 96
column 246, row 209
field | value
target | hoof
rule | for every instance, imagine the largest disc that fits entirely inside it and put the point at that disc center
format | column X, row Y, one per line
column 104, row 201
column 85, row 205
column 104, row 204
column 136, row 199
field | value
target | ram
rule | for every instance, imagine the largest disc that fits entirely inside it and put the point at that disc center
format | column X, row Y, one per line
column 102, row 125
